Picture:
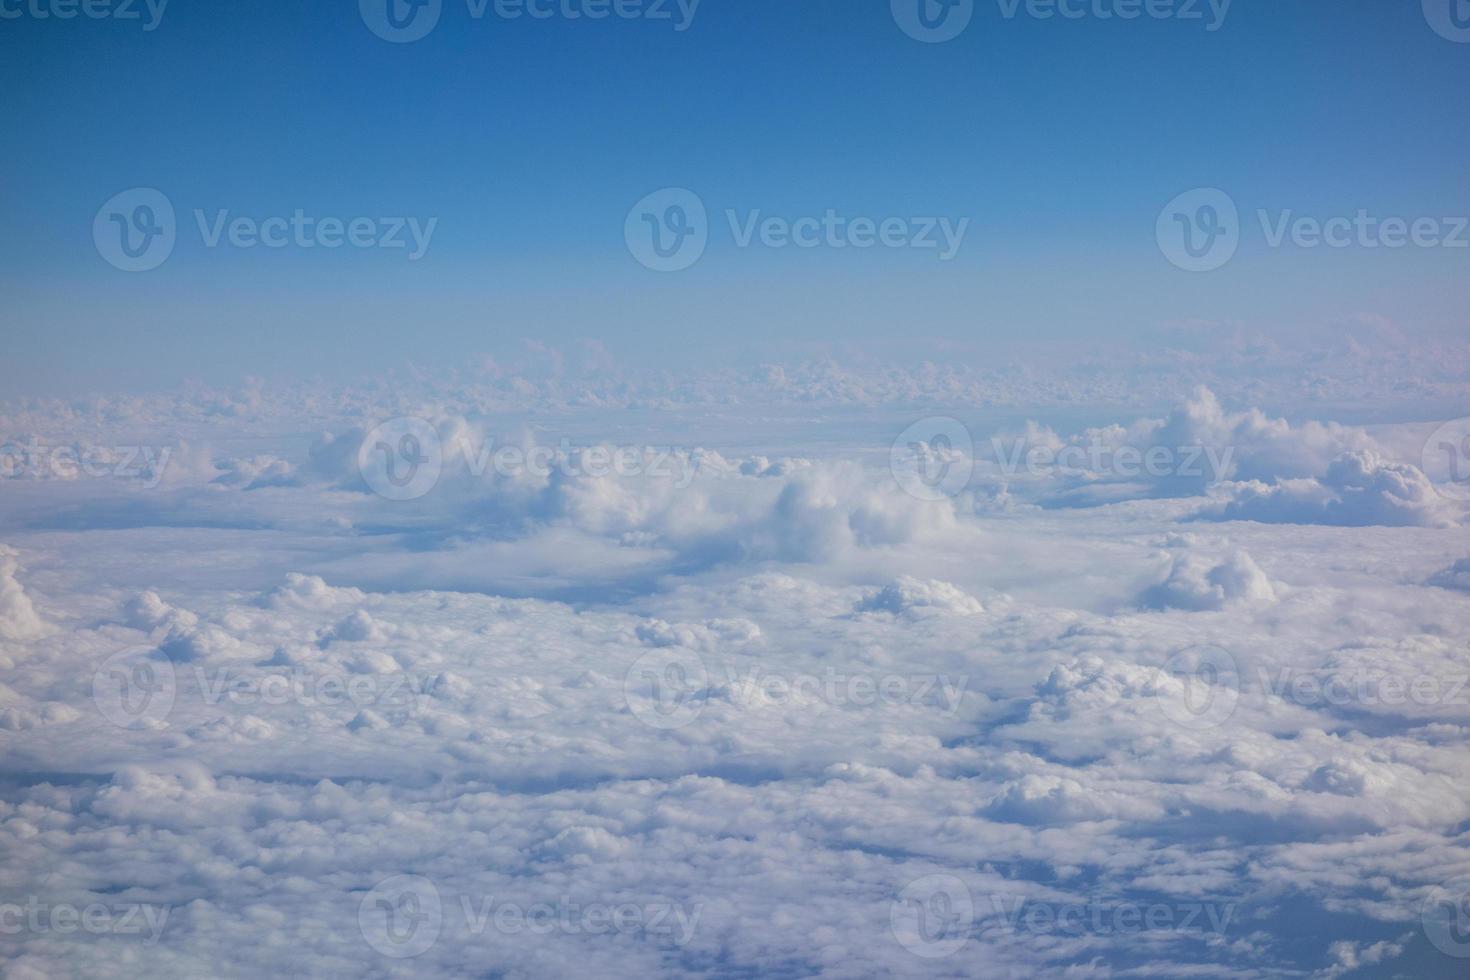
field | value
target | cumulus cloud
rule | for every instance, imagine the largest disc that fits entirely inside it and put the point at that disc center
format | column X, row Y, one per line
column 1194, row 582
column 18, row 617
column 910, row 595
column 758, row 706
column 1197, row 445
column 1359, row 489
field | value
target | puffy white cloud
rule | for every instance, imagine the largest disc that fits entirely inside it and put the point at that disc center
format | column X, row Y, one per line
column 1359, row 488
column 18, row 617
column 760, row 706
column 1194, row 583
column 909, row 595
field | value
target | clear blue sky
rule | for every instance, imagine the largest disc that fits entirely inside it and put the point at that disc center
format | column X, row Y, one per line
column 530, row 140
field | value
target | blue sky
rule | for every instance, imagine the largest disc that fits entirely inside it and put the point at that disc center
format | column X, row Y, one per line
column 529, row 140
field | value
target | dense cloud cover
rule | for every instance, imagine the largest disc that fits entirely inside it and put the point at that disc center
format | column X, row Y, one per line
column 716, row 694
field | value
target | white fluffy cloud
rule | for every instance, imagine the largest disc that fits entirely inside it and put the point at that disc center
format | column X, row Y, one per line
column 783, row 719
column 1358, row 489
column 18, row 617
column 1194, row 582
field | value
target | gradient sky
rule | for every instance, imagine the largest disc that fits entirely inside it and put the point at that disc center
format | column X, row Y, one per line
column 530, row 140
